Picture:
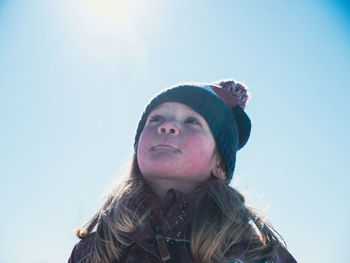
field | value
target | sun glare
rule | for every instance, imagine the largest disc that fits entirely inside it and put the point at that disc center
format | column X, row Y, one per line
column 115, row 9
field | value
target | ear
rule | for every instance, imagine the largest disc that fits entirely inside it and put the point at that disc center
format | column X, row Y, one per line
column 218, row 171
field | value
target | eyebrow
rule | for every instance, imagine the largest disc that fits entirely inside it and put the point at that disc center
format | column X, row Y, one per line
column 194, row 114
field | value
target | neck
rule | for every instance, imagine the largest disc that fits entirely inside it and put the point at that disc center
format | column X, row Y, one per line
column 161, row 186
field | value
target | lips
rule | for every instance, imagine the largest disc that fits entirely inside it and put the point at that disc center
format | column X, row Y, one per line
column 164, row 147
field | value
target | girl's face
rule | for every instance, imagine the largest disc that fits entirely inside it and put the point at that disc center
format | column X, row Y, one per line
column 176, row 144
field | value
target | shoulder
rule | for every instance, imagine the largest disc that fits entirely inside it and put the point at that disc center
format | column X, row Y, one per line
column 279, row 255
column 82, row 249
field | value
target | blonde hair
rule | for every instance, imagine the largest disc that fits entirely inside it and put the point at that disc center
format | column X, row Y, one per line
column 237, row 231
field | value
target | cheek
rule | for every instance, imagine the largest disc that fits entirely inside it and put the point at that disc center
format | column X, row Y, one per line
column 143, row 145
column 145, row 136
column 201, row 149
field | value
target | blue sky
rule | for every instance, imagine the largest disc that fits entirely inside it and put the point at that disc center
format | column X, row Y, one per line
column 76, row 76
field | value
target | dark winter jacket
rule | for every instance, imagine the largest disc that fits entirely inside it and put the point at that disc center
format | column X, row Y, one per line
column 176, row 210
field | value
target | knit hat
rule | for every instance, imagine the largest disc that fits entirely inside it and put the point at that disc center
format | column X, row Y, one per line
column 221, row 105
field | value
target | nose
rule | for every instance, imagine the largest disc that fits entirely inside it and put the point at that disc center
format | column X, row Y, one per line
column 168, row 127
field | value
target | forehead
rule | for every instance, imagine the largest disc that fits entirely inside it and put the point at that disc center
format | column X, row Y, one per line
column 176, row 107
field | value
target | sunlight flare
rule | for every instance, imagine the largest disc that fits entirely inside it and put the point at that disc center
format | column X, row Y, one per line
column 115, row 9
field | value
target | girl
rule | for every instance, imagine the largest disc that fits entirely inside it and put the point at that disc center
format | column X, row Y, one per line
column 176, row 204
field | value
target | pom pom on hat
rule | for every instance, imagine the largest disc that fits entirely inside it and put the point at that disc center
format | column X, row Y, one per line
column 231, row 92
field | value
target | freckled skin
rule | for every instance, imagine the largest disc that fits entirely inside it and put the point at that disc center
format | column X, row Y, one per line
column 186, row 154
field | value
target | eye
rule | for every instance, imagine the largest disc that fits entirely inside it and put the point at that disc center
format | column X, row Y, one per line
column 155, row 118
column 192, row 120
